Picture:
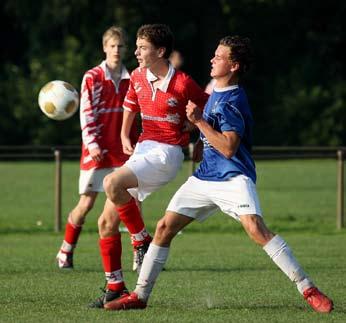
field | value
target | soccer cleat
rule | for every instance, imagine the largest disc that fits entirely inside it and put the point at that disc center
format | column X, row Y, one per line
column 107, row 296
column 126, row 302
column 64, row 259
column 134, row 263
column 317, row 300
column 138, row 255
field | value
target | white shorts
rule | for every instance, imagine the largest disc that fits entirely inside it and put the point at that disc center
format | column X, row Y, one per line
column 92, row 180
column 154, row 164
column 199, row 199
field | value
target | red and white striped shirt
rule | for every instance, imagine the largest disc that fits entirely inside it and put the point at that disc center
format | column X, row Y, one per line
column 163, row 110
column 101, row 115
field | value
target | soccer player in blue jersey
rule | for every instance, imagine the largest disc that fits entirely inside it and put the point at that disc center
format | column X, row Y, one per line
column 224, row 180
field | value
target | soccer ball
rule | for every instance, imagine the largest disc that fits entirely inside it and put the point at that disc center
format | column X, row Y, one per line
column 58, row 100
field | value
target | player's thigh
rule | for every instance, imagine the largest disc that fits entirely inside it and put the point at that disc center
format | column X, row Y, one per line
column 122, row 177
column 87, row 200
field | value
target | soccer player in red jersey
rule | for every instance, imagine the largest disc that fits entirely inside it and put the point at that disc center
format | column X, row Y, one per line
column 103, row 91
column 159, row 93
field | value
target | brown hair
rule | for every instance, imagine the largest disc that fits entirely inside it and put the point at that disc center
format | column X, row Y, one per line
column 159, row 35
column 240, row 51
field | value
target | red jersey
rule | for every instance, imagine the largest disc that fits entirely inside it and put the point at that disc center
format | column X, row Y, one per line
column 163, row 110
column 101, row 115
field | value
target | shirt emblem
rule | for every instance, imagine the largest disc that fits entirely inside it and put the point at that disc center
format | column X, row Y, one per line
column 172, row 102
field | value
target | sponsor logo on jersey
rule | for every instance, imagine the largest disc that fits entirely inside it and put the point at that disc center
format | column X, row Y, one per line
column 171, row 118
column 172, row 102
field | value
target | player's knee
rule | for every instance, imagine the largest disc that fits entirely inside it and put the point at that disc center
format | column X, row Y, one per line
column 164, row 232
column 107, row 185
column 111, row 187
column 107, row 226
column 256, row 229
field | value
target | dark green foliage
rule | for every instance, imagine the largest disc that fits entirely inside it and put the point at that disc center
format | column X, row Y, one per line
column 296, row 88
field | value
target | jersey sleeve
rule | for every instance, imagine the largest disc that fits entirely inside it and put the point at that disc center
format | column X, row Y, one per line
column 131, row 100
column 230, row 118
column 196, row 94
column 90, row 93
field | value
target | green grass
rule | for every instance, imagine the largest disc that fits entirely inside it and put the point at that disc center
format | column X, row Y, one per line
column 296, row 195
column 214, row 272
column 209, row 278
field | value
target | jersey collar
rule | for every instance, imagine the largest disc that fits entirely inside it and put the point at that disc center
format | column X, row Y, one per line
column 124, row 73
column 164, row 85
column 224, row 89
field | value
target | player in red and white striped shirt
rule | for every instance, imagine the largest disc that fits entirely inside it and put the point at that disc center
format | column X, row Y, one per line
column 102, row 94
column 160, row 93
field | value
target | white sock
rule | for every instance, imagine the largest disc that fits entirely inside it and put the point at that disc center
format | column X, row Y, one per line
column 281, row 254
column 67, row 247
column 153, row 262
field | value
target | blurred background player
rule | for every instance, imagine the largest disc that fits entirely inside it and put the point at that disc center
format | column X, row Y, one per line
column 176, row 59
column 160, row 93
column 103, row 91
column 225, row 180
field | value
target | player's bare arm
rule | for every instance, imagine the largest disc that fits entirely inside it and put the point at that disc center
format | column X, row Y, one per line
column 226, row 142
column 128, row 118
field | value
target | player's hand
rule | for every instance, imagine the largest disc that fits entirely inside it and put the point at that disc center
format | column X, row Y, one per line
column 96, row 154
column 127, row 146
column 193, row 113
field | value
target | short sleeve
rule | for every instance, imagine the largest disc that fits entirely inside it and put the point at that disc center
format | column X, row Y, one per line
column 131, row 100
column 230, row 118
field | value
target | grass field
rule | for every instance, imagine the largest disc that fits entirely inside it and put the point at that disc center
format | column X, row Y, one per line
column 214, row 272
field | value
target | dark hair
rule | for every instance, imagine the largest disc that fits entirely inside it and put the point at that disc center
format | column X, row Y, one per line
column 159, row 35
column 241, row 51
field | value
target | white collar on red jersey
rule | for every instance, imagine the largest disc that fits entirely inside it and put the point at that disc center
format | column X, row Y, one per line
column 108, row 76
column 164, row 85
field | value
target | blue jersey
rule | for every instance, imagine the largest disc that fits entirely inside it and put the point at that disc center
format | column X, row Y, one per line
column 228, row 110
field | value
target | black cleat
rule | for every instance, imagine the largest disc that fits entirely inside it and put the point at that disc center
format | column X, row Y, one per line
column 138, row 255
column 107, row 296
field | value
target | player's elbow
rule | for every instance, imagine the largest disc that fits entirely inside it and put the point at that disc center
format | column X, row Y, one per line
column 228, row 153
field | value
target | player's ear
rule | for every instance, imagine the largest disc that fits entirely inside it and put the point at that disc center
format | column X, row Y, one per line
column 162, row 51
column 235, row 67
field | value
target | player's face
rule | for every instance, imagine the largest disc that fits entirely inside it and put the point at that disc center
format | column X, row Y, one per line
column 221, row 65
column 146, row 53
column 114, row 50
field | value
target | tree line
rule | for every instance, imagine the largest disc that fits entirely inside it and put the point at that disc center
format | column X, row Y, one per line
column 297, row 86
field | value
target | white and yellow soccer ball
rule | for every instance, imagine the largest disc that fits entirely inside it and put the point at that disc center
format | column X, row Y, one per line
column 58, row 100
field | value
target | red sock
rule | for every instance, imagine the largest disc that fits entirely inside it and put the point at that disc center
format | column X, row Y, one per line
column 110, row 249
column 130, row 215
column 72, row 232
